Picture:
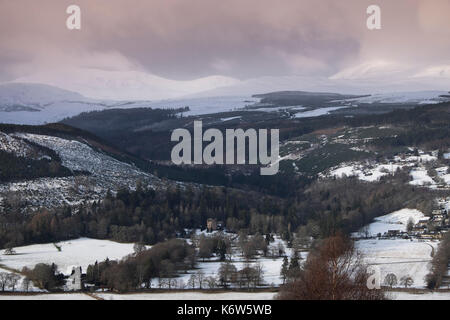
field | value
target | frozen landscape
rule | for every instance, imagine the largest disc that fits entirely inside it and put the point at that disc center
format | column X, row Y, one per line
column 99, row 172
column 74, row 253
column 402, row 257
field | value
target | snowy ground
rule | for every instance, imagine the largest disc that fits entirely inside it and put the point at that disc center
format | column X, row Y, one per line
column 421, row 177
column 419, row 296
column 371, row 172
column 190, row 296
column 261, row 296
column 397, row 220
column 400, row 257
column 57, row 111
column 79, row 252
column 79, row 156
column 421, row 97
column 16, row 146
column 370, row 175
column 206, row 105
column 317, row 112
column 271, row 266
column 210, row 267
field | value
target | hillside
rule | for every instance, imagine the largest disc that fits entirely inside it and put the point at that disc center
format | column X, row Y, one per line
column 54, row 165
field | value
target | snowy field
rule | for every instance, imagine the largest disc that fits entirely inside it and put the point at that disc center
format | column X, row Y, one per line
column 206, row 105
column 420, row 177
column 370, row 175
column 52, row 113
column 74, row 253
column 317, row 112
column 51, row 296
column 57, row 111
column 190, row 296
column 419, row 296
column 420, row 97
column 400, row 257
column 261, row 296
column 372, row 172
column 271, row 266
column 16, row 146
column 271, row 269
column 397, row 220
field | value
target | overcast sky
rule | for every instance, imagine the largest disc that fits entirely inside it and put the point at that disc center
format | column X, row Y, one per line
column 242, row 39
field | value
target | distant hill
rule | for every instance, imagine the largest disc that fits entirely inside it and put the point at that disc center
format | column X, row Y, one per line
column 304, row 98
column 33, row 96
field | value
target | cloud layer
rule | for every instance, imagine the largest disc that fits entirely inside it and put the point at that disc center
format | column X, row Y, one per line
column 241, row 39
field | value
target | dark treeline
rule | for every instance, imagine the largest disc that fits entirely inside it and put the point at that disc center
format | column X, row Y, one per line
column 249, row 178
column 13, row 168
column 149, row 216
column 425, row 126
column 40, row 162
column 164, row 260
column 143, row 216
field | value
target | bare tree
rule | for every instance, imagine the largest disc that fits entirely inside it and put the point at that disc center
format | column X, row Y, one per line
column 3, row 280
column 410, row 225
column 227, row 274
column 192, row 281
column 284, row 269
column 9, row 251
column 281, row 249
column 406, row 281
column 259, row 273
column 366, row 232
column 333, row 272
column 211, row 282
column 172, row 282
column 200, row 278
column 390, row 280
column 26, row 284
column 13, row 279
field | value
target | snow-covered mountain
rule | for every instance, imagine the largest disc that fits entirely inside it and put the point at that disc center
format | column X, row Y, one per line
column 35, row 104
column 33, row 96
column 416, row 97
column 126, row 85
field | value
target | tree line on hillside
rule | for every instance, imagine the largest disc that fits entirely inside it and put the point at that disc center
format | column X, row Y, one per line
column 149, row 216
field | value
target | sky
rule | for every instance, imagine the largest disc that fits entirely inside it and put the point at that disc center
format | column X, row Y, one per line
column 177, row 47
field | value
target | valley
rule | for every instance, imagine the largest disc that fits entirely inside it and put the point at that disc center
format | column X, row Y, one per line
column 100, row 193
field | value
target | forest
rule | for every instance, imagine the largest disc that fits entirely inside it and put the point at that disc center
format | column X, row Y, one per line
column 321, row 209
